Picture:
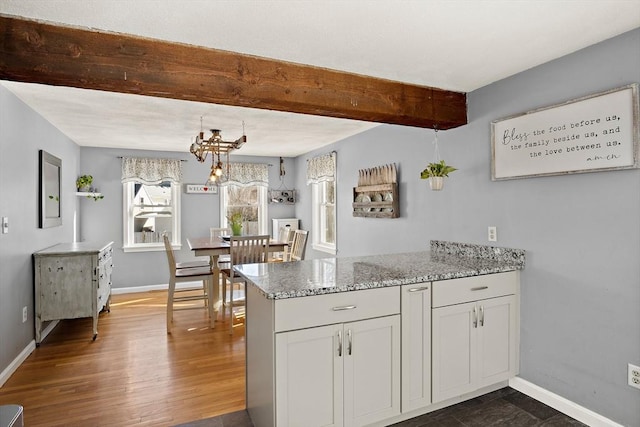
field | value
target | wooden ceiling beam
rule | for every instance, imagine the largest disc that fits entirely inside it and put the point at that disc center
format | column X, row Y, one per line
column 37, row 52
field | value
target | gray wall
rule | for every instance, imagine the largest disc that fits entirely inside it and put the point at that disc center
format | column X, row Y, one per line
column 102, row 220
column 581, row 285
column 22, row 134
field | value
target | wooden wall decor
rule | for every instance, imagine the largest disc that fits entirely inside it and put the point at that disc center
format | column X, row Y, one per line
column 376, row 195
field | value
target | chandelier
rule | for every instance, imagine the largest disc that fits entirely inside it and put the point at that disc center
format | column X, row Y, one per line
column 216, row 146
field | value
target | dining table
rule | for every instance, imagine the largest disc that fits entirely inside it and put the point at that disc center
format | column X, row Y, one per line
column 213, row 247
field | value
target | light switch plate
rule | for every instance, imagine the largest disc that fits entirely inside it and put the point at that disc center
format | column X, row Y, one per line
column 5, row 225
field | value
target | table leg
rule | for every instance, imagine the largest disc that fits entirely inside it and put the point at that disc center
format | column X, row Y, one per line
column 216, row 284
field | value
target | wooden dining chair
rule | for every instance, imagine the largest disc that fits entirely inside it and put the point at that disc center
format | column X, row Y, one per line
column 285, row 234
column 181, row 275
column 299, row 245
column 217, row 233
column 243, row 250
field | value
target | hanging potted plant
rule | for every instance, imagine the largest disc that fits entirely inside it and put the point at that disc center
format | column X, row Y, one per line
column 435, row 173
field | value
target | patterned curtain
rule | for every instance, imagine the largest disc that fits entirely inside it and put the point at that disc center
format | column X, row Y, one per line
column 321, row 168
column 151, row 171
column 246, row 174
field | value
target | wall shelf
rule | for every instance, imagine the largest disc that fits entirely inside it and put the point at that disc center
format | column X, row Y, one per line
column 89, row 195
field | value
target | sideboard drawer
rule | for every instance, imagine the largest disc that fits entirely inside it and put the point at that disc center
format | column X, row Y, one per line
column 317, row 310
column 458, row 291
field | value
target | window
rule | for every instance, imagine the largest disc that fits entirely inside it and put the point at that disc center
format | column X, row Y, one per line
column 151, row 203
column 321, row 172
column 324, row 216
column 150, row 211
column 245, row 193
column 250, row 202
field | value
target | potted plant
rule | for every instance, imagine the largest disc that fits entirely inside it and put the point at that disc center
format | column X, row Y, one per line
column 83, row 183
column 435, row 173
column 235, row 219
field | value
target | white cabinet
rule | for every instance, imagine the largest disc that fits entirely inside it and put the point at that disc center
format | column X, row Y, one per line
column 416, row 346
column 336, row 359
column 475, row 333
column 339, row 375
column 278, row 223
column 72, row 280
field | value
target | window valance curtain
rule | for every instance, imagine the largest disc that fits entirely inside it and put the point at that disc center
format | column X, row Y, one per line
column 151, row 171
column 321, row 168
column 245, row 174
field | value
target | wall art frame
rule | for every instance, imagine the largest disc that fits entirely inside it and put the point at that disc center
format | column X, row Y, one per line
column 50, row 197
column 598, row 132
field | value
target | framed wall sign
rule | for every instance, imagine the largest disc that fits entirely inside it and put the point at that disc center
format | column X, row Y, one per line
column 200, row 189
column 594, row 133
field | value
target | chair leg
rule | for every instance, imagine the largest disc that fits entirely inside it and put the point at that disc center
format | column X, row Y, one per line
column 172, row 288
column 231, row 306
column 212, row 317
column 224, row 298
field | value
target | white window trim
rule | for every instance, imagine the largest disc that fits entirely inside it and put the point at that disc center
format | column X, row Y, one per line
column 127, row 226
column 263, row 214
column 316, row 244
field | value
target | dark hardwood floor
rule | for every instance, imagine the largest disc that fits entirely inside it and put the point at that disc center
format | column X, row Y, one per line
column 135, row 374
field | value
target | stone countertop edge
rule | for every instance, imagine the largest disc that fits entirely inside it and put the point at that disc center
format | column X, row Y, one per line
column 445, row 260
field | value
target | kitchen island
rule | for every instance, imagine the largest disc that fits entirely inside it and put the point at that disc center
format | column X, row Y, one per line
column 349, row 341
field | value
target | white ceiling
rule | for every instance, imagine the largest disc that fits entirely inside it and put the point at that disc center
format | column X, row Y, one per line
column 458, row 45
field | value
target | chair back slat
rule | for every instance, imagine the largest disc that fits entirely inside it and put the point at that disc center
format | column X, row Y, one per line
column 248, row 249
column 219, row 232
column 170, row 257
column 299, row 245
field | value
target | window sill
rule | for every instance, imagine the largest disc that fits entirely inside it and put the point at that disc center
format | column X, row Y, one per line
column 324, row 248
column 149, row 248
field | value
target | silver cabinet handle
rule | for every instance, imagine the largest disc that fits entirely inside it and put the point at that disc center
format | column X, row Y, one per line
column 481, row 315
column 349, row 342
column 475, row 317
column 479, row 288
column 344, row 307
column 339, row 343
column 420, row 289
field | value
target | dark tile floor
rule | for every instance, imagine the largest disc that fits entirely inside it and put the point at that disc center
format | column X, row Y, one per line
column 504, row 407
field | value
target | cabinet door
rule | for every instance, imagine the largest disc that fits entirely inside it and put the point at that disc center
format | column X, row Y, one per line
column 309, row 375
column 454, row 346
column 371, row 370
column 497, row 343
column 416, row 346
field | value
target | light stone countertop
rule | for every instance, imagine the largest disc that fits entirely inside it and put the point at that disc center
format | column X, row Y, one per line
column 446, row 260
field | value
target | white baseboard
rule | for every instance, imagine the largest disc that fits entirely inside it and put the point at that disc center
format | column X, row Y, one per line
column 13, row 366
column 561, row 404
column 148, row 288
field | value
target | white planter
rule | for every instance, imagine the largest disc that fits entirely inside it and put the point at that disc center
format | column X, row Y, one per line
column 436, row 182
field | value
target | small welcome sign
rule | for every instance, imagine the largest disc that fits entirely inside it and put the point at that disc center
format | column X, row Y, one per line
column 200, row 189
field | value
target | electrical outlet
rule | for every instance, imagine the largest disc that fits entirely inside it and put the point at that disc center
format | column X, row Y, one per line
column 634, row 376
column 492, row 234
column 24, row 314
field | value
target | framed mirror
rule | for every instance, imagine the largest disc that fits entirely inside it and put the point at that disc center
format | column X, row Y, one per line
column 50, row 178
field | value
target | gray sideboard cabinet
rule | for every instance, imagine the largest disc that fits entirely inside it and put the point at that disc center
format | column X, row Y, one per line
column 72, row 280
